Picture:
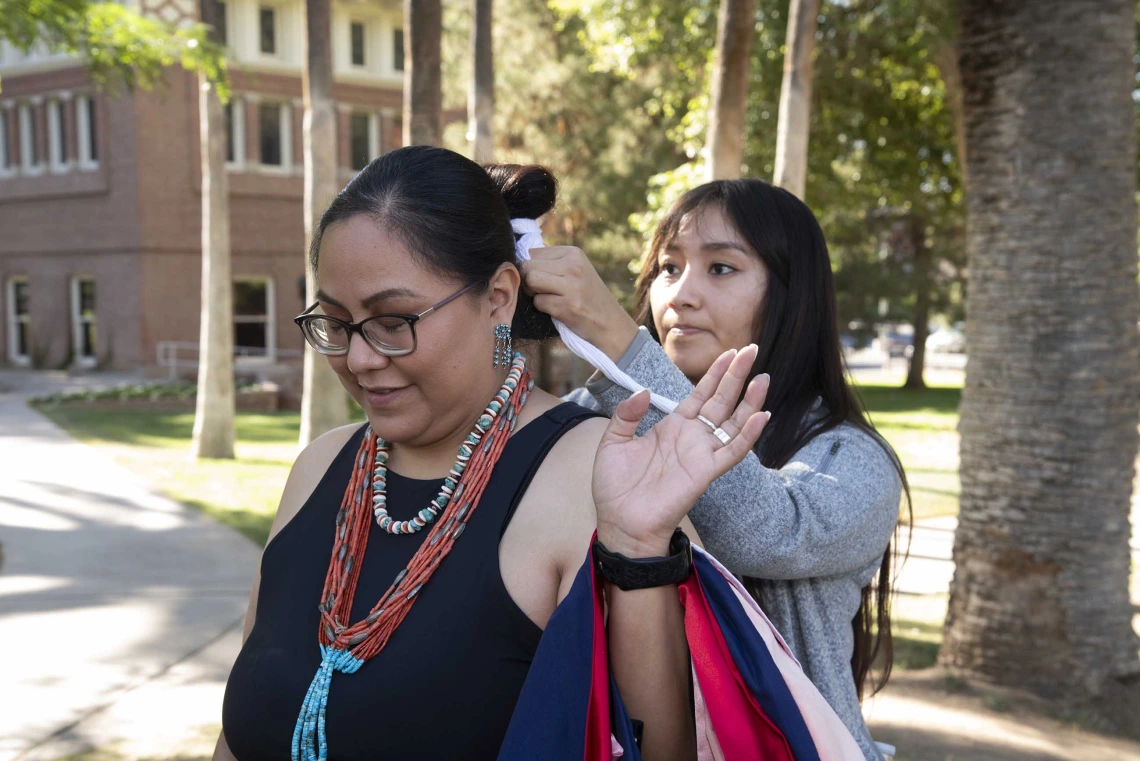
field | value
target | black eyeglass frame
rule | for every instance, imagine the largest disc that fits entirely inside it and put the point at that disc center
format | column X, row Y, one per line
column 358, row 327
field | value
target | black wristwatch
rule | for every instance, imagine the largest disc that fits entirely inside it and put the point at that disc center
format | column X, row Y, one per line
column 645, row 573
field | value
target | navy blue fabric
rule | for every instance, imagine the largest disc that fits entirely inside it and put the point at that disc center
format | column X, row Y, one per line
column 752, row 659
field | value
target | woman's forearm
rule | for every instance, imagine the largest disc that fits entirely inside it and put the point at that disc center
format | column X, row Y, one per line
column 650, row 661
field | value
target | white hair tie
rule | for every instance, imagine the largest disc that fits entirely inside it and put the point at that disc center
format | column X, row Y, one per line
column 530, row 236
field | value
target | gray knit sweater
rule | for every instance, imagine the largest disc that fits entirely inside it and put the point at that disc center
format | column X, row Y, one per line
column 813, row 532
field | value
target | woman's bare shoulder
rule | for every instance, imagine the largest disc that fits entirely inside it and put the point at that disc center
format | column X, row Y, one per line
column 307, row 471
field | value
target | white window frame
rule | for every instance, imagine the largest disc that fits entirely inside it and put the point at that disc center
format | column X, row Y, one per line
column 367, row 27
column 286, row 165
column 56, row 122
column 77, row 321
column 278, row 53
column 21, row 360
column 237, row 105
column 391, row 63
column 7, row 168
column 84, row 138
column 373, row 135
column 27, row 138
column 228, row 42
column 270, row 355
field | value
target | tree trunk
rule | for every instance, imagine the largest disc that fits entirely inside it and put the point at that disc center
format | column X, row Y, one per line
column 213, row 434
column 1049, row 412
column 323, row 402
column 922, row 284
column 423, row 99
column 734, row 31
column 481, row 98
column 794, row 123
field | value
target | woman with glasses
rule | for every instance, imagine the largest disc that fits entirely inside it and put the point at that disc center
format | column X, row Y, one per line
column 415, row 560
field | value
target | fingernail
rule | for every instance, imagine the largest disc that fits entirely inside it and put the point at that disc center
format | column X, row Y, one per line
column 769, row 414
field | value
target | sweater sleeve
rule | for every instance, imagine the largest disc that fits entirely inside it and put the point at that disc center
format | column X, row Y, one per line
column 830, row 510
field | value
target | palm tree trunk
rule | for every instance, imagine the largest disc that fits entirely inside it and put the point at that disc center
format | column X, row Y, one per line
column 323, row 402
column 481, row 98
column 729, row 99
column 423, row 21
column 1049, row 412
column 922, row 259
column 213, row 434
column 794, row 123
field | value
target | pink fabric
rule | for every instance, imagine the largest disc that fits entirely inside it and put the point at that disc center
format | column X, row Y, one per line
column 832, row 740
column 708, row 747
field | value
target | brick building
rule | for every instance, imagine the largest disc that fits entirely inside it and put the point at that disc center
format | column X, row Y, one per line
column 100, row 195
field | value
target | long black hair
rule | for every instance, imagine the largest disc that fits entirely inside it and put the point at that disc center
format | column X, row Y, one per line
column 797, row 332
column 453, row 214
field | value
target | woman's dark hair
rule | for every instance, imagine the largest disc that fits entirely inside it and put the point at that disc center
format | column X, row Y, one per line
column 453, row 214
column 797, row 333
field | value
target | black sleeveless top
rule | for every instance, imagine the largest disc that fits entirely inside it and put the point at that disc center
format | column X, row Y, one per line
column 446, row 684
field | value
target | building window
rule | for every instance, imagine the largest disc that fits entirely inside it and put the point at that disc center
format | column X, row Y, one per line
column 85, row 127
column 357, row 32
column 19, row 321
column 83, row 320
column 223, row 26
column 268, row 20
column 235, row 134
column 275, row 135
column 6, row 163
column 361, row 125
column 398, row 50
column 30, row 153
column 57, row 136
column 253, row 317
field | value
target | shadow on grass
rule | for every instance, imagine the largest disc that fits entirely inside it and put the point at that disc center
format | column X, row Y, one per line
column 880, row 398
column 252, row 525
column 916, row 644
column 143, row 427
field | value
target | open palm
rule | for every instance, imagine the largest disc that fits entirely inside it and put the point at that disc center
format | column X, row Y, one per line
column 643, row 486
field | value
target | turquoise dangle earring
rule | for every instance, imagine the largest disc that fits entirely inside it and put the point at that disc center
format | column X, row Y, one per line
column 503, row 355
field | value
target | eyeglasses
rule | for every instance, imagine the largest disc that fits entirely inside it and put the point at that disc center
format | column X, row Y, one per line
column 392, row 335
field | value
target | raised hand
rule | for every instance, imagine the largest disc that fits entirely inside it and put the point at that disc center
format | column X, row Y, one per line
column 643, row 486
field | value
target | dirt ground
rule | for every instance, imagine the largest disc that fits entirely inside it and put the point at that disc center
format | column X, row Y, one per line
column 930, row 715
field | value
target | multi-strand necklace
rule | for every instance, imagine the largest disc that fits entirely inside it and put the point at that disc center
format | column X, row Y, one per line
column 346, row 648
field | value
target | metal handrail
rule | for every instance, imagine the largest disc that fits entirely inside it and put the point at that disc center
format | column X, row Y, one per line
column 168, row 355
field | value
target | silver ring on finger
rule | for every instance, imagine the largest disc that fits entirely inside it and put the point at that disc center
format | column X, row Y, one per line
column 721, row 434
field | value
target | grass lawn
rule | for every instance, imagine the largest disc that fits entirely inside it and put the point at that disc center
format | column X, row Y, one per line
column 922, row 428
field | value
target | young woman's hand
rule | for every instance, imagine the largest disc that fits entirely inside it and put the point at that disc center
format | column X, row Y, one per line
column 643, row 486
column 567, row 287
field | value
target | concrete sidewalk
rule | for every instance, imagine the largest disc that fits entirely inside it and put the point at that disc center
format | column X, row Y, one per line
column 108, row 593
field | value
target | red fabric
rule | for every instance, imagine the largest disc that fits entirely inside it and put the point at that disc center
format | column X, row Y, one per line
column 743, row 729
column 598, row 745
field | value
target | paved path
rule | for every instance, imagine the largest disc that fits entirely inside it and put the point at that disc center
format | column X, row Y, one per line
column 107, row 591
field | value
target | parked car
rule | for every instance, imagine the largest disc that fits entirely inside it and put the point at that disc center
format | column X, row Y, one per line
column 899, row 343
column 947, row 340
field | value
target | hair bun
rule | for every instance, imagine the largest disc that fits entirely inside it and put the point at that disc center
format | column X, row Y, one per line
column 528, row 190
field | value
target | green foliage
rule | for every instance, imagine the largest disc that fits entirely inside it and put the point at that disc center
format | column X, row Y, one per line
column 124, row 49
column 598, row 130
column 882, row 154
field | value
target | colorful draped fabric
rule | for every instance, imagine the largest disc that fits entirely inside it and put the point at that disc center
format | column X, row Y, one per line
column 752, row 699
